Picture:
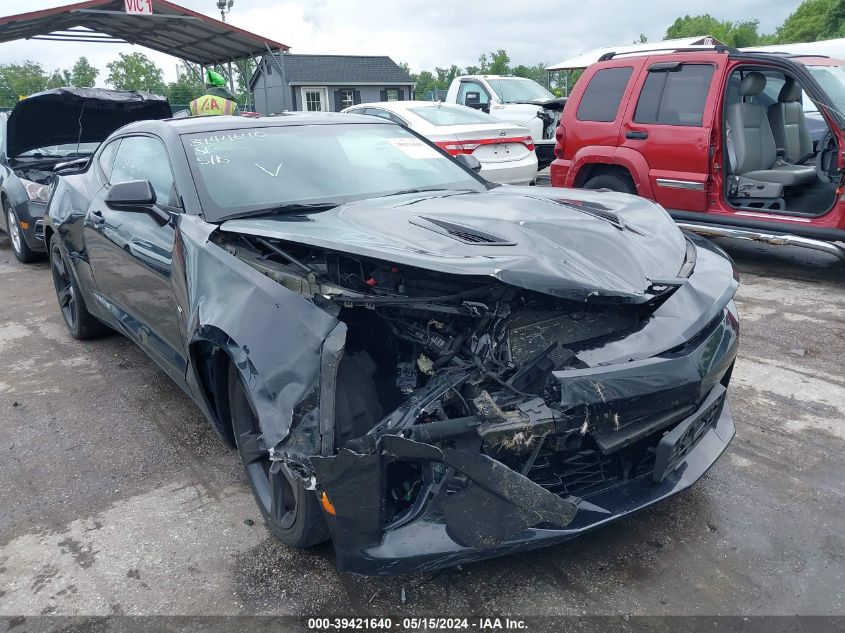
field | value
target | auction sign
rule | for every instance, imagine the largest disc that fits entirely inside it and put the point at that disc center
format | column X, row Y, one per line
column 139, row 7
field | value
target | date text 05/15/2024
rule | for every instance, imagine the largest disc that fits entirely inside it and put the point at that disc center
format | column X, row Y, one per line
column 417, row 624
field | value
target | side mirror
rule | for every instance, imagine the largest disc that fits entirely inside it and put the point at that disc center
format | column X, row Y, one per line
column 469, row 161
column 135, row 195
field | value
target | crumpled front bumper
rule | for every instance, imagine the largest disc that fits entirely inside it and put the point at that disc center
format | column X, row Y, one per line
column 474, row 507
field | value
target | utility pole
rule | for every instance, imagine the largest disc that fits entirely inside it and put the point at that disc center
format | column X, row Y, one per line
column 225, row 7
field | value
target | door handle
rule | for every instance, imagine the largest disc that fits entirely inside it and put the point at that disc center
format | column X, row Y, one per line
column 636, row 135
column 97, row 217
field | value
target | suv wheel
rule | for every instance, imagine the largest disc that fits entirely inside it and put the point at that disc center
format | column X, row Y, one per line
column 19, row 246
column 613, row 182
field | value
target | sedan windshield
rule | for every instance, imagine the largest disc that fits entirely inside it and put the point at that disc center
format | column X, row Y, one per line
column 832, row 81
column 245, row 171
column 512, row 89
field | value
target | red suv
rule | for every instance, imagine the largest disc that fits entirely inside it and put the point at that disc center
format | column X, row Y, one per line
column 730, row 143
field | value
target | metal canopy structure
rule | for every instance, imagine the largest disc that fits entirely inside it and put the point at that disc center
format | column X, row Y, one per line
column 170, row 29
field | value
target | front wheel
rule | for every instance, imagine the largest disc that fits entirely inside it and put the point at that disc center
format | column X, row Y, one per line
column 19, row 246
column 292, row 513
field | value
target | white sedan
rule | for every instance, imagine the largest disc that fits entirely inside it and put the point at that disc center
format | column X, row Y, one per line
column 505, row 150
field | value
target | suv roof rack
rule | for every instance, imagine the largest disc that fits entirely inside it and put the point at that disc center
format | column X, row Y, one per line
column 716, row 48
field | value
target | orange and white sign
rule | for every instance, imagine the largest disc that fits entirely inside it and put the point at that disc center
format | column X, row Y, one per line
column 139, row 7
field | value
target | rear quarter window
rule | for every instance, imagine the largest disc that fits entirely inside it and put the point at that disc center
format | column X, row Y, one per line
column 675, row 96
column 601, row 99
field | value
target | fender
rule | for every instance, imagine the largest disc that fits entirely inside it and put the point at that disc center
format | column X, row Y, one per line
column 272, row 335
column 625, row 157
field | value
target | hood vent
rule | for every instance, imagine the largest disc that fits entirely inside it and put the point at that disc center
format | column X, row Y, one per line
column 461, row 232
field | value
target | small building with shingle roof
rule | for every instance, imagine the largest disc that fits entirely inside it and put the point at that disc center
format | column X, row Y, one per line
column 328, row 83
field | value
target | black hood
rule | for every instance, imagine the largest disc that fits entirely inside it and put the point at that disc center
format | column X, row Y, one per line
column 565, row 242
column 54, row 117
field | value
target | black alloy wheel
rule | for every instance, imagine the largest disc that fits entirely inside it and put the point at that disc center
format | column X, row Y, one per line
column 291, row 512
column 80, row 323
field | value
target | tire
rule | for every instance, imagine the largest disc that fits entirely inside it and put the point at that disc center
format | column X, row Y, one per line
column 613, row 182
column 292, row 513
column 80, row 323
column 19, row 246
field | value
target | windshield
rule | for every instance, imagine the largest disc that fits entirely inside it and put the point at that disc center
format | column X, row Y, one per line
column 511, row 89
column 247, row 170
column 832, row 81
column 452, row 115
column 61, row 151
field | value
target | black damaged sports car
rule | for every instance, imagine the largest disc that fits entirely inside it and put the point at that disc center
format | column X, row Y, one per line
column 424, row 367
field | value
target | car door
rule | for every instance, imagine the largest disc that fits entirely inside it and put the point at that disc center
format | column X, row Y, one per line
column 670, row 124
column 130, row 253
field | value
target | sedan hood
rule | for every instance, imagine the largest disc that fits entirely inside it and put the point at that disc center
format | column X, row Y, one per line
column 71, row 115
column 568, row 243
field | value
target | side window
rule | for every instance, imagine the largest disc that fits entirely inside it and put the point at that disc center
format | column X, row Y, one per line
column 472, row 93
column 106, row 160
column 601, row 99
column 384, row 114
column 144, row 158
column 675, row 95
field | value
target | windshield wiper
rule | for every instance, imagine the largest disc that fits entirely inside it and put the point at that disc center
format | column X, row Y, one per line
column 402, row 192
column 295, row 207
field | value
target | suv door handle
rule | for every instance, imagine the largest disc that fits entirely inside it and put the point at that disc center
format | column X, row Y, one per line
column 636, row 135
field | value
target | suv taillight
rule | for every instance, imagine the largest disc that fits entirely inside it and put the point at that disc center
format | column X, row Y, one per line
column 560, row 141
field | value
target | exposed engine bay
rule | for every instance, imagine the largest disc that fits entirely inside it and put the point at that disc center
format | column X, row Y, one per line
column 467, row 362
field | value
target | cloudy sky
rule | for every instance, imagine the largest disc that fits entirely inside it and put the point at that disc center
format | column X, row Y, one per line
column 425, row 33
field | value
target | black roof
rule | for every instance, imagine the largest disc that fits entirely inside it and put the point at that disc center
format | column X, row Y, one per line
column 339, row 69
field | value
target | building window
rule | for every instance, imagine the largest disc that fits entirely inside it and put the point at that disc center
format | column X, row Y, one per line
column 313, row 100
column 392, row 94
column 347, row 98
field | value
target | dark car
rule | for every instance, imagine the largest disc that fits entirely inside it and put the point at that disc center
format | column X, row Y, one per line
column 422, row 366
column 50, row 131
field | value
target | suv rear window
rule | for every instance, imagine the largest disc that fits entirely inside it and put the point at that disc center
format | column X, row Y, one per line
column 674, row 95
column 601, row 99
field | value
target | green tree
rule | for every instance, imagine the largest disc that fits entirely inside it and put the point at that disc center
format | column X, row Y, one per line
column 425, row 83
column 537, row 73
column 83, row 74
column 184, row 90
column 136, row 71
column 20, row 80
column 740, row 33
column 499, row 62
column 59, row 79
column 813, row 20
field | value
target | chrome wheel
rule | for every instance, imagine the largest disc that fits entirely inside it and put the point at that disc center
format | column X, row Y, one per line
column 14, row 230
